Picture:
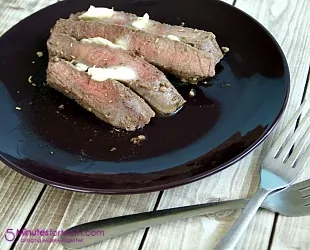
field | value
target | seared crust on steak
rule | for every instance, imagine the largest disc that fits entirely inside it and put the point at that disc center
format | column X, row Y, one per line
column 110, row 100
column 152, row 85
column 200, row 39
column 183, row 60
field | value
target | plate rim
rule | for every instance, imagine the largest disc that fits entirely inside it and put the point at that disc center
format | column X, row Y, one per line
column 184, row 181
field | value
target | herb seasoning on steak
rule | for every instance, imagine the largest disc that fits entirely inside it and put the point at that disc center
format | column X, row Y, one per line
column 185, row 61
column 200, row 39
column 109, row 62
column 110, row 100
column 151, row 84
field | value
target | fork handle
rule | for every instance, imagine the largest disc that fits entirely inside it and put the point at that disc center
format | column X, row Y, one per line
column 117, row 226
column 231, row 239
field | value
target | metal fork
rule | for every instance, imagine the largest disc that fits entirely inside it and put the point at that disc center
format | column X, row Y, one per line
column 292, row 201
column 279, row 169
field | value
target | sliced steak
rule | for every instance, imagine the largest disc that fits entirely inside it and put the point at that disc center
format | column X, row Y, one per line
column 200, row 39
column 151, row 84
column 183, row 60
column 110, row 100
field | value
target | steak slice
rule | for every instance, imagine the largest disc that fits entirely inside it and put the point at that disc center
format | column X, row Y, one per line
column 183, row 60
column 151, row 84
column 200, row 39
column 110, row 100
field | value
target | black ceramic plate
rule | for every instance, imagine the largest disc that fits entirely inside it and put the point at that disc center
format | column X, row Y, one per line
column 70, row 148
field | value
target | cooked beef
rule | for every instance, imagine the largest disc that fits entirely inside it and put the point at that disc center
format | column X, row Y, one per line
column 183, row 60
column 200, row 39
column 151, row 84
column 110, row 100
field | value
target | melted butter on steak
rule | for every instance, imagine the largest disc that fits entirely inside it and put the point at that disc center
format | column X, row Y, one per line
column 80, row 66
column 94, row 13
column 120, row 73
column 174, row 38
column 141, row 22
column 119, row 44
column 122, row 42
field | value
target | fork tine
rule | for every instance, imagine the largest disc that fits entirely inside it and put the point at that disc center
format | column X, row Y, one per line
column 302, row 185
column 298, row 133
column 303, row 159
column 306, row 203
column 285, row 133
column 305, row 193
column 298, row 148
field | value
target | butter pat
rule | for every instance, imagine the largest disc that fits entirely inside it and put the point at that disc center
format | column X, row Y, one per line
column 120, row 73
column 174, row 38
column 122, row 43
column 94, row 13
column 141, row 22
column 100, row 40
column 80, row 66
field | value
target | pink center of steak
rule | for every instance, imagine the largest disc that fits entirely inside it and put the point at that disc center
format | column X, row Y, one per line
column 183, row 60
column 152, row 84
column 110, row 100
column 200, row 39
